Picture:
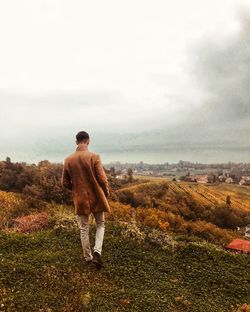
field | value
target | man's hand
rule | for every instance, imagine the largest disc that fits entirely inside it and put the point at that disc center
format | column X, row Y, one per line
column 107, row 194
column 101, row 176
column 66, row 180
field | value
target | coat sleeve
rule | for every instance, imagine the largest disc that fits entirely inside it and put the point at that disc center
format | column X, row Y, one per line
column 101, row 176
column 65, row 179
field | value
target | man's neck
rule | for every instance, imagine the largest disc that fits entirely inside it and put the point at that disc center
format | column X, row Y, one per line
column 82, row 147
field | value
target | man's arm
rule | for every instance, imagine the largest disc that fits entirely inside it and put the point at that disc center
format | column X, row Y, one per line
column 65, row 179
column 101, row 176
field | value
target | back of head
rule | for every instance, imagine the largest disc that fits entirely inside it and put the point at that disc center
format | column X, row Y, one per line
column 82, row 137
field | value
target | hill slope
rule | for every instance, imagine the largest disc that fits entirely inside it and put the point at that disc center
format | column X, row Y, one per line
column 44, row 271
column 204, row 195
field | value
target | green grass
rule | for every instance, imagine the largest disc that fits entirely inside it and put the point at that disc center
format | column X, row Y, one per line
column 45, row 271
column 153, row 178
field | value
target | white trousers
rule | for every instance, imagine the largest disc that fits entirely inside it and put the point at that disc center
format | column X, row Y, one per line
column 83, row 223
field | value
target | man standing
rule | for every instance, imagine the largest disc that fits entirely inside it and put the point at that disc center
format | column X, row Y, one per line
column 84, row 175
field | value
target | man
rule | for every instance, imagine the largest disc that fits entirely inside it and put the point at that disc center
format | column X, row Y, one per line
column 84, row 175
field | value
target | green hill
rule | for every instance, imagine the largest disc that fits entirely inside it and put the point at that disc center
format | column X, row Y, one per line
column 45, row 271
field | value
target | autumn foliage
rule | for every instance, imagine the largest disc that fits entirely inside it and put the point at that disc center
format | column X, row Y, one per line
column 30, row 223
column 182, row 208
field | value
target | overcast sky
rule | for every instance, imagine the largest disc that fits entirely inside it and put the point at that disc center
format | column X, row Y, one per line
column 139, row 74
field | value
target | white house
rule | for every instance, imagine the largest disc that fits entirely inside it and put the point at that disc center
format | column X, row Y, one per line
column 229, row 180
column 247, row 232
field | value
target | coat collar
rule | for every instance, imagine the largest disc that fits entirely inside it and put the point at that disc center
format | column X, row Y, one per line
column 82, row 147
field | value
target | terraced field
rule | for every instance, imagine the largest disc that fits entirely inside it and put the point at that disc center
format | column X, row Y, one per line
column 214, row 195
column 207, row 195
column 239, row 194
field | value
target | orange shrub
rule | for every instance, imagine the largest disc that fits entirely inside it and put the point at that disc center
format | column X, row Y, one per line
column 244, row 308
column 11, row 205
column 30, row 223
column 119, row 212
column 168, row 221
column 209, row 231
column 159, row 219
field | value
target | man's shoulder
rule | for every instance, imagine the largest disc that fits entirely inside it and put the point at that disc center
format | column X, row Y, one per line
column 94, row 154
column 74, row 154
column 68, row 157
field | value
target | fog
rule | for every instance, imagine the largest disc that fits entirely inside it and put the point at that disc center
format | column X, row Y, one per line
column 152, row 81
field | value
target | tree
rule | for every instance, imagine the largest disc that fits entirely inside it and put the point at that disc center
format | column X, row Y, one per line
column 130, row 175
column 228, row 200
column 226, row 218
column 112, row 172
column 8, row 160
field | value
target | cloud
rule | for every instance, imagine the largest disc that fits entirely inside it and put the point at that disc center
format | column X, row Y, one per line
column 221, row 67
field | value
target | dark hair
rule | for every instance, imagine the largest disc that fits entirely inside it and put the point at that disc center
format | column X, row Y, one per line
column 82, row 136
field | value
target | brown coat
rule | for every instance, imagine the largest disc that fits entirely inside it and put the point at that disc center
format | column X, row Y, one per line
column 84, row 175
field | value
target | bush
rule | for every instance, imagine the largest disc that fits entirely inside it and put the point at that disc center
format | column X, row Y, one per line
column 11, row 206
column 244, row 308
column 225, row 217
column 209, row 232
column 30, row 223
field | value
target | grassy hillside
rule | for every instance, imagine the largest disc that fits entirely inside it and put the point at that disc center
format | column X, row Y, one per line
column 44, row 271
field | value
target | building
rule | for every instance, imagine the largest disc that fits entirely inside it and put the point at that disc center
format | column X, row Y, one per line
column 245, row 180
column 240, row 245
column 147, row 172
column 229, row 180
column 121, row 176
column 201, row 179
column 247, row 232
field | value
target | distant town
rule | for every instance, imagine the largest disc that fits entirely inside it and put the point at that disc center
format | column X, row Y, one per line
column 237, row 173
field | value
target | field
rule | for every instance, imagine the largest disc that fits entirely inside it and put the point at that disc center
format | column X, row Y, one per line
column 153, row 178
column 216, row 194
column 240, row 193
column 206, row 194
